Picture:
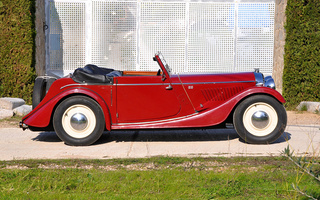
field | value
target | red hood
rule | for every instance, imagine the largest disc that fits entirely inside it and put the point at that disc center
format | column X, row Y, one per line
column 214, row 78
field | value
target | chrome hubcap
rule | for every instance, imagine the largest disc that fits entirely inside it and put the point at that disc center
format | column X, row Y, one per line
column 79, row 121
column 260, row 119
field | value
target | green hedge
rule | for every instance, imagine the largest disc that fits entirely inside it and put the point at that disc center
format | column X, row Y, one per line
column 301, row 76
column 17, row 48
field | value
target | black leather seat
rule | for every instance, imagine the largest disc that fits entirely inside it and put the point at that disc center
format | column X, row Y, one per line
column 94, row 74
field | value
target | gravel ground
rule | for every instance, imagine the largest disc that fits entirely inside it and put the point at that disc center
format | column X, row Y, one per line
column 302, row 134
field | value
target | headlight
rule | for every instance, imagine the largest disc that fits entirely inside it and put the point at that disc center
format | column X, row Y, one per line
column 259, row 78
column 261, row 81
column 269, row 82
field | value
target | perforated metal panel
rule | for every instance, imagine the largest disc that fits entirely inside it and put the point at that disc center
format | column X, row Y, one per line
column 211, row 37
column 194, row 36
column 114, row 40
column 162, row 28
column 67, row 35
column 255, row 33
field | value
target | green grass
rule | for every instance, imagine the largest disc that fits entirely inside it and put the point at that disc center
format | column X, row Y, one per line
column 152, row 178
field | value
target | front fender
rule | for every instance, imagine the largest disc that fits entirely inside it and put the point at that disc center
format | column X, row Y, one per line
column 42, row 115
column 262, row 90
column 219, row 114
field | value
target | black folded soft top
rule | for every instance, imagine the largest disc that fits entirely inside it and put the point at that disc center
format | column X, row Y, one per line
column 94, row 74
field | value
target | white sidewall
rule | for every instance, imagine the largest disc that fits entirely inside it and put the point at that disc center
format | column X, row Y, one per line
column 66, row 121
column 260, row 106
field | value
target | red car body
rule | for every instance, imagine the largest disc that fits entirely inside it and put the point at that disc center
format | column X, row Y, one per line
column 145, row 100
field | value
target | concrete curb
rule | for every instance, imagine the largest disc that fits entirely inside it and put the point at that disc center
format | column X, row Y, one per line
column 13, row 106
column 309, row 106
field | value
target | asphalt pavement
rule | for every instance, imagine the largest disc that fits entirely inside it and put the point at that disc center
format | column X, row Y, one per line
column 16, row 144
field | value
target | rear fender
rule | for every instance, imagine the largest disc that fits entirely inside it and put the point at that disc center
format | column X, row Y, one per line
column 42, row 116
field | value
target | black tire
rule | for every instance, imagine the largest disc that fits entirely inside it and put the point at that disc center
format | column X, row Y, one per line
column 83, row 132
column 260, row 119
column 39, row 91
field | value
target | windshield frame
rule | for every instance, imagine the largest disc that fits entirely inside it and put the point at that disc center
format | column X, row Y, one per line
column 163, row 64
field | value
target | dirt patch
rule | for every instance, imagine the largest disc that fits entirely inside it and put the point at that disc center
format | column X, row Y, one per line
column 303, row 118
column 243, row 167
column 10, row 123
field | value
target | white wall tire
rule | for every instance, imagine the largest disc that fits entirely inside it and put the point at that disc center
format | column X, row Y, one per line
column 260, row 119
column 79, row 121
column 270, row 125
column 78, row 132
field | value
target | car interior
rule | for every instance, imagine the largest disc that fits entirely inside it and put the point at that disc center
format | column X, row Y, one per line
column 94, row 74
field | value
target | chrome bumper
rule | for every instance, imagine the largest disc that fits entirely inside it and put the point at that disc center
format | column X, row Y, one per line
column 23, row 125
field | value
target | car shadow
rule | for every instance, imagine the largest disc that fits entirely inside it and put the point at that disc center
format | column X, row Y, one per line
column 180, row 135
column 171, row 135
column 47, row 137
column 285, row 137
column 176, row 135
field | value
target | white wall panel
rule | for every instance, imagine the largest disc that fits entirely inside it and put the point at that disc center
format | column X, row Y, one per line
column 162, row 28
column 114, row 38
column 255, row 35
column 194, row 36
column 211, row 37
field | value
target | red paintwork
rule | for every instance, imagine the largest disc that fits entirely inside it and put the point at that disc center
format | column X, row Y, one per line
column 41, row 115
column 144, row 102
column 137, row 103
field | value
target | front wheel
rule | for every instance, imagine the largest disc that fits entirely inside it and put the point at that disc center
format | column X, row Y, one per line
column 79, row 121
column 260, row 119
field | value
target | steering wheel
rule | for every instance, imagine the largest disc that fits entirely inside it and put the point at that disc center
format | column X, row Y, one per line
column 159, row 72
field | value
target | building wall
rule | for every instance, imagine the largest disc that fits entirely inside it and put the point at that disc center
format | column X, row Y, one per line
column 40, row 38
column 279, row 41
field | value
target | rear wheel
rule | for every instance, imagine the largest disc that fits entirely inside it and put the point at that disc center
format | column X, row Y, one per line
column 260, row 119
column 79, row 121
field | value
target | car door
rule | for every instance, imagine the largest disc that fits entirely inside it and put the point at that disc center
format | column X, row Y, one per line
column 145, row 98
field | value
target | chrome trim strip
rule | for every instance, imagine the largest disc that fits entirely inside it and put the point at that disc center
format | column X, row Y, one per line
column 79, row 84
column 164, row 84
column 203, row 83
column 142, row 84
column 151, row 122
column 75, row 84
column 196, row 83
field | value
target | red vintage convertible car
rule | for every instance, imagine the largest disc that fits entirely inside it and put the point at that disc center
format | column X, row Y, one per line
column 81, row 106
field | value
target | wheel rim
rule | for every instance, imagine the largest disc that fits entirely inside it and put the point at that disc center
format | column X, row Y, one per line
column 78, row 121
column 260, row 119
